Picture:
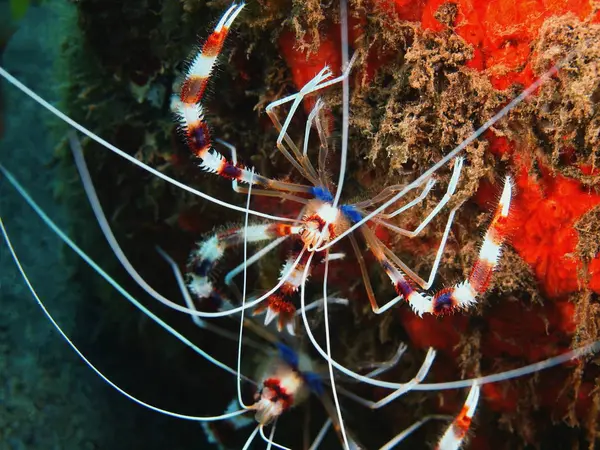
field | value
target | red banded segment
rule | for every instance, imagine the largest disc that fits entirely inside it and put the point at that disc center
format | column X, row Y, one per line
column 464, row 294
column 198, row 138
column 280, row 307
column 490, row 249
column 455, row 435
column 202, row 64
column 188, row 108
column 192, row 90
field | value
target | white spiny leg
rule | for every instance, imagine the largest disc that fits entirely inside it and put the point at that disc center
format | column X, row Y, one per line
column 364, row 272
column 458, row 164
column 309, row 123
column 421, row 374
column 403, row 288
column 455, row 435
column 417, row 200
column 297, row 159
column 385, row 195
column 313, row 117
column 323, row 148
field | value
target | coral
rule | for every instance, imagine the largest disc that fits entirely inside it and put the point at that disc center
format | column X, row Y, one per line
column 546, row 211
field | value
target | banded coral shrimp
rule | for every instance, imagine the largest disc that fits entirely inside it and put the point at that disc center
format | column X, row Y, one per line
column 282, row 369
column 287, row 359
column 283, row 373
column 286, row 353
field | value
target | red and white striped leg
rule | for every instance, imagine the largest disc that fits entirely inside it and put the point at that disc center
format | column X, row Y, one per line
column 464, row 294
column 188, row 109
column 455, row 435
column 208, row 253
column 257, row 191
column 201, row 66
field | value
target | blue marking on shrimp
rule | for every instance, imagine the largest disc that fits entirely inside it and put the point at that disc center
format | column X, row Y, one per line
column 351, row 213
column 314, row 382
column 322, row 193
column 288, row 355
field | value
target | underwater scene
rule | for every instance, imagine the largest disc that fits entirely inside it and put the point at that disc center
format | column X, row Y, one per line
column 346, row 224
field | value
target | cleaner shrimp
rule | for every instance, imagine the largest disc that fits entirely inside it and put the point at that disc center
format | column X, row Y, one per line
column 319, row 230
column 288, row 376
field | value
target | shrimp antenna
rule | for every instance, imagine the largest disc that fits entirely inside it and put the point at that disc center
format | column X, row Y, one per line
column 328, row 344
column 108, row 278
column 89, row 363
column 244, row 288
column 116, row 248
column 345, row 100
column 16, row 83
